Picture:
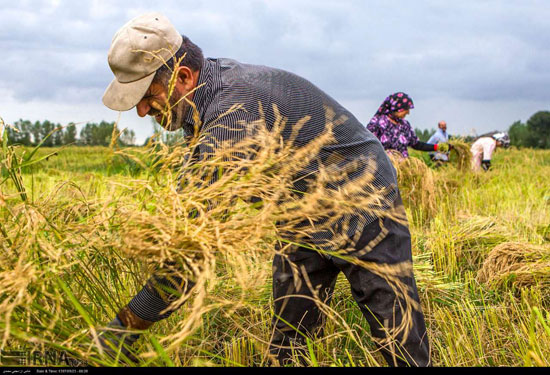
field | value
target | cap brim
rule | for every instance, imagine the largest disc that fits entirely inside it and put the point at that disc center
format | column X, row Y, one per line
column 125, row 96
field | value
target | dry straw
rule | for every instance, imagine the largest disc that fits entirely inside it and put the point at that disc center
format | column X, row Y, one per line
column 69, row 259
column 516, row 264
column 416, row 184
column 208, row 227
column 460, row 154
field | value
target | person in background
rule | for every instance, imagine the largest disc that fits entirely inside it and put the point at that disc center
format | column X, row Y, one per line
column 439, row 137
column 393, row 131
column 483, row 148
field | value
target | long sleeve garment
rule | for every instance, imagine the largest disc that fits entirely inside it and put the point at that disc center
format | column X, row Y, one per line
column 396, row 136
column 225, row 83
column 482, row 149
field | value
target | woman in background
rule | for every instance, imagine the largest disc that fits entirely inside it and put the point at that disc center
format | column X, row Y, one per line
column 394, row 132
column 483, row 148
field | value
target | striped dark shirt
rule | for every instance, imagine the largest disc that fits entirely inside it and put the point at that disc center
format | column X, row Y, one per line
column 226, row 82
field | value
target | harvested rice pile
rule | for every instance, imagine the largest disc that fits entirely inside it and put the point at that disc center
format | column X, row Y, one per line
column 473, row 237
column 416, row 183
column 517, row 264
column 461, row 155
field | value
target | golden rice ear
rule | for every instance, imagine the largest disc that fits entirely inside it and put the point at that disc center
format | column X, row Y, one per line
column 417, row 185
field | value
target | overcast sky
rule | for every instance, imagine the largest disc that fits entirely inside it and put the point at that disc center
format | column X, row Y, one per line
column 479, row 65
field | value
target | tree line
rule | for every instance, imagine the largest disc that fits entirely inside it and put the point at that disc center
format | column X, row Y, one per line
column 534, row 133
column 49, row 134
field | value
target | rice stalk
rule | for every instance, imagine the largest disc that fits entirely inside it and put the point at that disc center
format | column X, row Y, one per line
column 460, row 154
column 212, row 232
column 417, row 186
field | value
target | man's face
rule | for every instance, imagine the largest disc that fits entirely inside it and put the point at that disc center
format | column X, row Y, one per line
column 169, row 112
column 443, row 126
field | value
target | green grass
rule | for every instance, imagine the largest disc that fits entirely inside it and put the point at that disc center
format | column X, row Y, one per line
column 72, row 228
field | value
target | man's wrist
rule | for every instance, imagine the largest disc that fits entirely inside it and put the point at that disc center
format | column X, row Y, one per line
column 131, row 320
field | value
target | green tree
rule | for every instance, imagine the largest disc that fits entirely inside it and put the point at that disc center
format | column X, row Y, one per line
column 103, row 133
column 93, row 134
column 164, row 136
column 87, row 134
column 69, row 135
column 13, row 135
column 26, row 132
column 20, row 133
column 127, row 138
column 539, row 129
column 46, row 128
column 36, row 131
column 57, row 136
column 519, row 134
column 424, row 135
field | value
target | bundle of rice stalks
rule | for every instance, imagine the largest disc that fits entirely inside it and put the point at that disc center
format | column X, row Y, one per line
column 461, row 156
column 477, row 231
column 434, row 286
column 516, row 264
column 463, row 243
column 417, row 185
column 83, row 257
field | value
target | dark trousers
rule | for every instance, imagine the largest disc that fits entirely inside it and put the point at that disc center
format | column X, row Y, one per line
column 297, row 311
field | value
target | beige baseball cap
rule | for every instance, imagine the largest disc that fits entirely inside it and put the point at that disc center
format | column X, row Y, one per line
column 137, row 51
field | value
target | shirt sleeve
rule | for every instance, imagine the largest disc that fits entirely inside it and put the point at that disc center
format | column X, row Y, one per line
column 488, row 149
column 421, row 146
column 374, row 127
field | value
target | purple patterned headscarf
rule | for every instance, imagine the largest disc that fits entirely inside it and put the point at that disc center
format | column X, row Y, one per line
column 394, row 103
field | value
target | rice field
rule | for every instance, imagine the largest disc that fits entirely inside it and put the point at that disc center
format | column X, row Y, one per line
column 81, row 229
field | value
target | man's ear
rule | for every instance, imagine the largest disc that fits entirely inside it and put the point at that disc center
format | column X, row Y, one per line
column 186, row 78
